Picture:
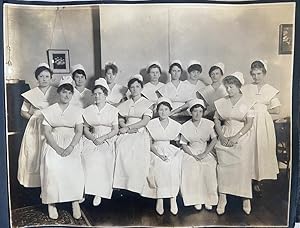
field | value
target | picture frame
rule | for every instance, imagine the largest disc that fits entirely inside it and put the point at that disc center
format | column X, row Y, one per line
column 285, row 39
column 59, row 60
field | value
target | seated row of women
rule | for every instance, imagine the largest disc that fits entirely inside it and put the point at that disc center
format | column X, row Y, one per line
column 115, row 149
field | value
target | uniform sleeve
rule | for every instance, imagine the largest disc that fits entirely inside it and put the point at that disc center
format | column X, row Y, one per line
column 250, row 113
column 148, row 112
column 25, row 106
column 183, row 140
column 213, row 133
column 115, row 119
column 274, row 103
column 79, row 120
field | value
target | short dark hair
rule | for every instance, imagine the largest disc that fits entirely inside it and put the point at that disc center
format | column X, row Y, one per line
column 40, row 70
column 68, row 87
column 153, row 66
column 197, row 106
column 165, row 104
column 175, row 64
column 194, row 67
column 79, row 71
column 105, row 91
column 232, row 80
column 258, row 65
column 214, row 68
column 111, row 66
column 133, row 80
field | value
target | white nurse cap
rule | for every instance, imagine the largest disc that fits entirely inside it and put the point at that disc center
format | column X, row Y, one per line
column 221, row 66
column 176, row 61
column 65, row 80
column 137, row 76
column 77, row 67
column 193, row 62
column 239, row 76
column 264, row 62
column 43, row 65
column 196, row 101
column 164, row 99
column 154, row 63
column 102, row 82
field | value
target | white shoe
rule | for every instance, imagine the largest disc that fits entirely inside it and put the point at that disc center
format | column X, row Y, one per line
column 174, row 207
column 247, row 206
column 97, row 201
column 198, row 207
column 160, row 206
column 52, row 211
column 221, row 204
column 76, row 210
column 208, row 207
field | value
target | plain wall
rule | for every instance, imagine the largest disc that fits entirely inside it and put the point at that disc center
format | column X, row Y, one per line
column 31, row 30
column 133, row 36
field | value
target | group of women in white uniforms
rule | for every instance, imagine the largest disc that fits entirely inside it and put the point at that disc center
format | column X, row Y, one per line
column 80, row 141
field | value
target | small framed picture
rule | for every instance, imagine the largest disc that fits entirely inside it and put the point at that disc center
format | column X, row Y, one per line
column 285, row 39
column 59, row 60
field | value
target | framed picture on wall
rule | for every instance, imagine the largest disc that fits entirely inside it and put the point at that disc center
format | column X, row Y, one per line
column 285, row 39
column 59, row 60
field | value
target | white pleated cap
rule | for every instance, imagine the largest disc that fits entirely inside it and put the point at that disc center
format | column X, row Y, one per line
column 164, row 99
column 65, row 80
column 176, row 61
column 221, row 66
column 102, row 82
column 43, row 65
column 195, row 101
column 77, row 67
column 264, row 62
column 193, row 62
column 238, row 75
column 138, row 76
column 154, row 63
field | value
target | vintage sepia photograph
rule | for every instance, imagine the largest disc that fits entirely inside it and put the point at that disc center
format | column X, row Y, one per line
column 172, row 115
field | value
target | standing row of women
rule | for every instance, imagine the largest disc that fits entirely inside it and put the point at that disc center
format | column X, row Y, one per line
column 115, row 143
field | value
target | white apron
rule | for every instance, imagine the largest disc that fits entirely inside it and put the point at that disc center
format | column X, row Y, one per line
column 149, row 91
column 133, row 150
column 83, row 99
column 265, row 160
column 163, row 179
column 30, row 151
column 99, row 161
column 116, row 94
column 199, row 178
column 234, row 169
column 62, row 178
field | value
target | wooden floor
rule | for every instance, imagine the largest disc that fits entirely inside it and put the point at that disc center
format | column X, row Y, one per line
column 129, row 209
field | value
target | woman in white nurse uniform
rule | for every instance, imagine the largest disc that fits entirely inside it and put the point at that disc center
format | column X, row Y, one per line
column 62, row 177
column 150, row 88
column 199, row 176
column 98, row 155
column 34, row 100
column 267, row 103
column 164, row 177
column 234, row 169
column 176, row 90
column 117, row 92
column 133, row 144
column 215, row 91
column 193, row 84
column 82, row 96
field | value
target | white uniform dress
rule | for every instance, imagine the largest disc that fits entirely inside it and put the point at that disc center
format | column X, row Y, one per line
column 99, row 161
column 62, row 178
column 199, row 178
column 265, row 160
column 178, row 95
column 116, row 94
column 29, row 157
column 149, row 91
column 83, row 99
column 234, row 169
column 133, row 150
column 210, row 95
column 164, row 176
